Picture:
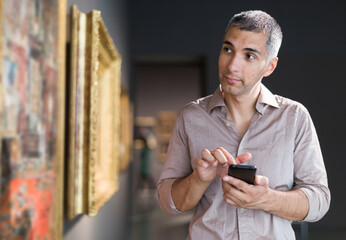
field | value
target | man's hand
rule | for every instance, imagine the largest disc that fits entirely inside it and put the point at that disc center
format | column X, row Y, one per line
column 292, row 205
column 242, row 195
column 187, row 191
column 215, row 163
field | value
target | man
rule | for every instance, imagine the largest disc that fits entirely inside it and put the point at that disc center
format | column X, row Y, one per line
column 244, row 119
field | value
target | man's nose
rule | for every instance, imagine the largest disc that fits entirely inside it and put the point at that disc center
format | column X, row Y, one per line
column 234, row 64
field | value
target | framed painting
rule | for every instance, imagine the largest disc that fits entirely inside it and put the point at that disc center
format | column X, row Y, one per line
column 164, row 127
column 32, row 104
column 126, row 130
column 94, row 115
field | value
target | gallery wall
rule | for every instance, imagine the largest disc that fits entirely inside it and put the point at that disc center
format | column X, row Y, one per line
column 112, row 220
column 311, row 67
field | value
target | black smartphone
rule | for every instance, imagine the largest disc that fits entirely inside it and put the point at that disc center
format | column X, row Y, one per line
column 246, row 173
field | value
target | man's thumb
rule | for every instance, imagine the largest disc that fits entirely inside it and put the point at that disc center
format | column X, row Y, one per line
column 261, row 180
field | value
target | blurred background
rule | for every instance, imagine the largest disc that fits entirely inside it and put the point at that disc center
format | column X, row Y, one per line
column 170, row 52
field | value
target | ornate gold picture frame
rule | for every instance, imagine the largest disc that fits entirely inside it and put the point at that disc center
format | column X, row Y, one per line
column 94, row 115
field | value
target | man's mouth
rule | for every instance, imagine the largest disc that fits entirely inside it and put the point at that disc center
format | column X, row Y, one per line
column 232, row 80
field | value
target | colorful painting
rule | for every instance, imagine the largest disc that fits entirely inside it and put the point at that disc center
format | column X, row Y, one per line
column 31, row 118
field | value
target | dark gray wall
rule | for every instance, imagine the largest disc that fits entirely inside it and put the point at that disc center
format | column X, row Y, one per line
column 113, row 220
column 311, row 67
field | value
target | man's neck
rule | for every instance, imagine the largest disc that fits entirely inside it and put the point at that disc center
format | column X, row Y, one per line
column 241, row 108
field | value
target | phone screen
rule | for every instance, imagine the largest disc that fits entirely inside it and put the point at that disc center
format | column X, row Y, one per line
column 245, row 173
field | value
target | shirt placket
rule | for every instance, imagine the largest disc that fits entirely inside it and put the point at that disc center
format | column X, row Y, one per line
column 244, row 216
column 245, row 224
column 243, row 141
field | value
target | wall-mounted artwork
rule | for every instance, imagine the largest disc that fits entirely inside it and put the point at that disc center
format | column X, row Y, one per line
column 32, row 94
column 94, row 115
column 164, row 127
column 126, row 130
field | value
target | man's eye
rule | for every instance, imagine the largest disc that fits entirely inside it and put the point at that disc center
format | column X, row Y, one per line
column 250, row 56
column 226, row 49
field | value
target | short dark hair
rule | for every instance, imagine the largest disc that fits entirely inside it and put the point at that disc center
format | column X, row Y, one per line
column 259, row 21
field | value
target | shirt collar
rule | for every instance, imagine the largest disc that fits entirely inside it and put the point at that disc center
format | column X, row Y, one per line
column 265, row 98
column 216, row 100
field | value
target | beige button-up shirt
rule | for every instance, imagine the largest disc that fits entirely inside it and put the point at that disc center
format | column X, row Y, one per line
column 284, row 146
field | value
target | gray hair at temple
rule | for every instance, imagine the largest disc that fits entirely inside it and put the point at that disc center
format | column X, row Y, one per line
column 259, row 21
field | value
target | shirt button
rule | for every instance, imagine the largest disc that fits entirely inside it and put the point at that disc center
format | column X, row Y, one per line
column 241, row 210
column 228, row 124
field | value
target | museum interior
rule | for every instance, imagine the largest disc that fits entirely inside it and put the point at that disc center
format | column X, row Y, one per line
column 152, row 57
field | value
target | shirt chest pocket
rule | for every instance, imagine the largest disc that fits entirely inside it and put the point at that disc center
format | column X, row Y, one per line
column 273, row 156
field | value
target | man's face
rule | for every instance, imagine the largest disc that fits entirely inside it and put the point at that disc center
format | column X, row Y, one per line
column 243, row 61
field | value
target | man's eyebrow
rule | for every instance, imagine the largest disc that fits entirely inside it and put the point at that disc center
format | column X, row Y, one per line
column 252, row 50
column 245, row 49
column 228, row 43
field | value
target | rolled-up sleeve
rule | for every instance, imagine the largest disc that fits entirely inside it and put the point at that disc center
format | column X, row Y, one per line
column 165, row 197
column 310, row 172
column 319, row 201
column 177, row 165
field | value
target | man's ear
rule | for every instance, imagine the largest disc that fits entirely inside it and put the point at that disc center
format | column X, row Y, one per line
column 271, row 67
